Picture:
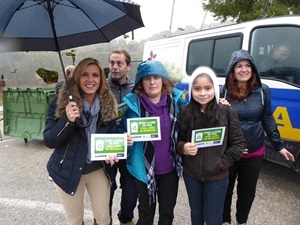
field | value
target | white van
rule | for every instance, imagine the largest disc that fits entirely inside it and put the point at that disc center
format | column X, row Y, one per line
column 183, row 53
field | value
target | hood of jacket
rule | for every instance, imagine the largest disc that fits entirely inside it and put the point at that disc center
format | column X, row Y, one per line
column 211, row 74
column 237, row 56
column 108, row 109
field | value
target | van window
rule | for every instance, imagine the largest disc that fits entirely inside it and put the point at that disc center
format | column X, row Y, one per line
column 214, row 53
column 223, row 50
column 198, row 54
column 276, row 52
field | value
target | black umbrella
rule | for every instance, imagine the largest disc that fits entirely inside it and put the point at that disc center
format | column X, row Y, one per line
column 55, row 25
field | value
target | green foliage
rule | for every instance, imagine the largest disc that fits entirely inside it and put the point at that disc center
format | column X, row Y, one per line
column 48, row 76
column 245, row 10
column 106, row 71
column 174, row 72
column 72, row 54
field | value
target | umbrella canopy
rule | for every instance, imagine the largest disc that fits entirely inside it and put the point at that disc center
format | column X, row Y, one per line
column 55, row 25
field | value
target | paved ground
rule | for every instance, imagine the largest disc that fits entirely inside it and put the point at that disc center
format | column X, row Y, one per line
column 28, row 197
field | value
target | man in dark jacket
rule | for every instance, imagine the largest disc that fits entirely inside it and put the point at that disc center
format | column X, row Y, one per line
column 120, row 84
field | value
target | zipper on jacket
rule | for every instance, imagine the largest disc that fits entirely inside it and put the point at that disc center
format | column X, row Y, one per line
column 64, row 156
column 67, row 124
column 110, row 182
column 201, row 164
column 120, row 94
column 98, row 126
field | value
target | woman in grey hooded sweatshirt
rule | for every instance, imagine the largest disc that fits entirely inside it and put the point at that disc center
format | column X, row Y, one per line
column 251, row 100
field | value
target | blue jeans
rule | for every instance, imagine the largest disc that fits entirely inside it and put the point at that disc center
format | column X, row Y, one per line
column 206, row 200
column 129, row 193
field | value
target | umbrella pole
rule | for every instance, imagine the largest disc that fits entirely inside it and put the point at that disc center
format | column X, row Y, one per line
column 88, row 115
column 50, row 13
column 62, row 65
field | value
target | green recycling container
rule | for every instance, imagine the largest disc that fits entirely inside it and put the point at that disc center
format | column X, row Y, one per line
column 25, row 110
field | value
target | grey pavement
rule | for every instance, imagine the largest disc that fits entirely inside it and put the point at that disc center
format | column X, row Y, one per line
column 28, row 197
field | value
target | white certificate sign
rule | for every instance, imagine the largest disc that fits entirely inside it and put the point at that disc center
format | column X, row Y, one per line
column 105, row 145
column 208, row 137
column 144, row 129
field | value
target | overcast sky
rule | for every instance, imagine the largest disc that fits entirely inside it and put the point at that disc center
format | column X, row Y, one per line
column 156, row 15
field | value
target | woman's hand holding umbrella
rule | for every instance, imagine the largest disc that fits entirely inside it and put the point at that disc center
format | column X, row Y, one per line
column 72, row 112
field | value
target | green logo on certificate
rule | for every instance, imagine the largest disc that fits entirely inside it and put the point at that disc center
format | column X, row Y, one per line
column 208, row 137
column 144, row 129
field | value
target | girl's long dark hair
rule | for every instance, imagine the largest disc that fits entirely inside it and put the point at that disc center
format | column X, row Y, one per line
column 194, row 119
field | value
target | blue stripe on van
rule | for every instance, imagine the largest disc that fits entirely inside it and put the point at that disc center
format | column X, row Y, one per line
column 290, row 99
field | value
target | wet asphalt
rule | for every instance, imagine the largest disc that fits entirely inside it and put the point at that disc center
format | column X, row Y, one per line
column 27, row 196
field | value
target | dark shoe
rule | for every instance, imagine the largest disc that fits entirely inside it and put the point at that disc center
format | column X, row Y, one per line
column 97, row 224
column 129, row 223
